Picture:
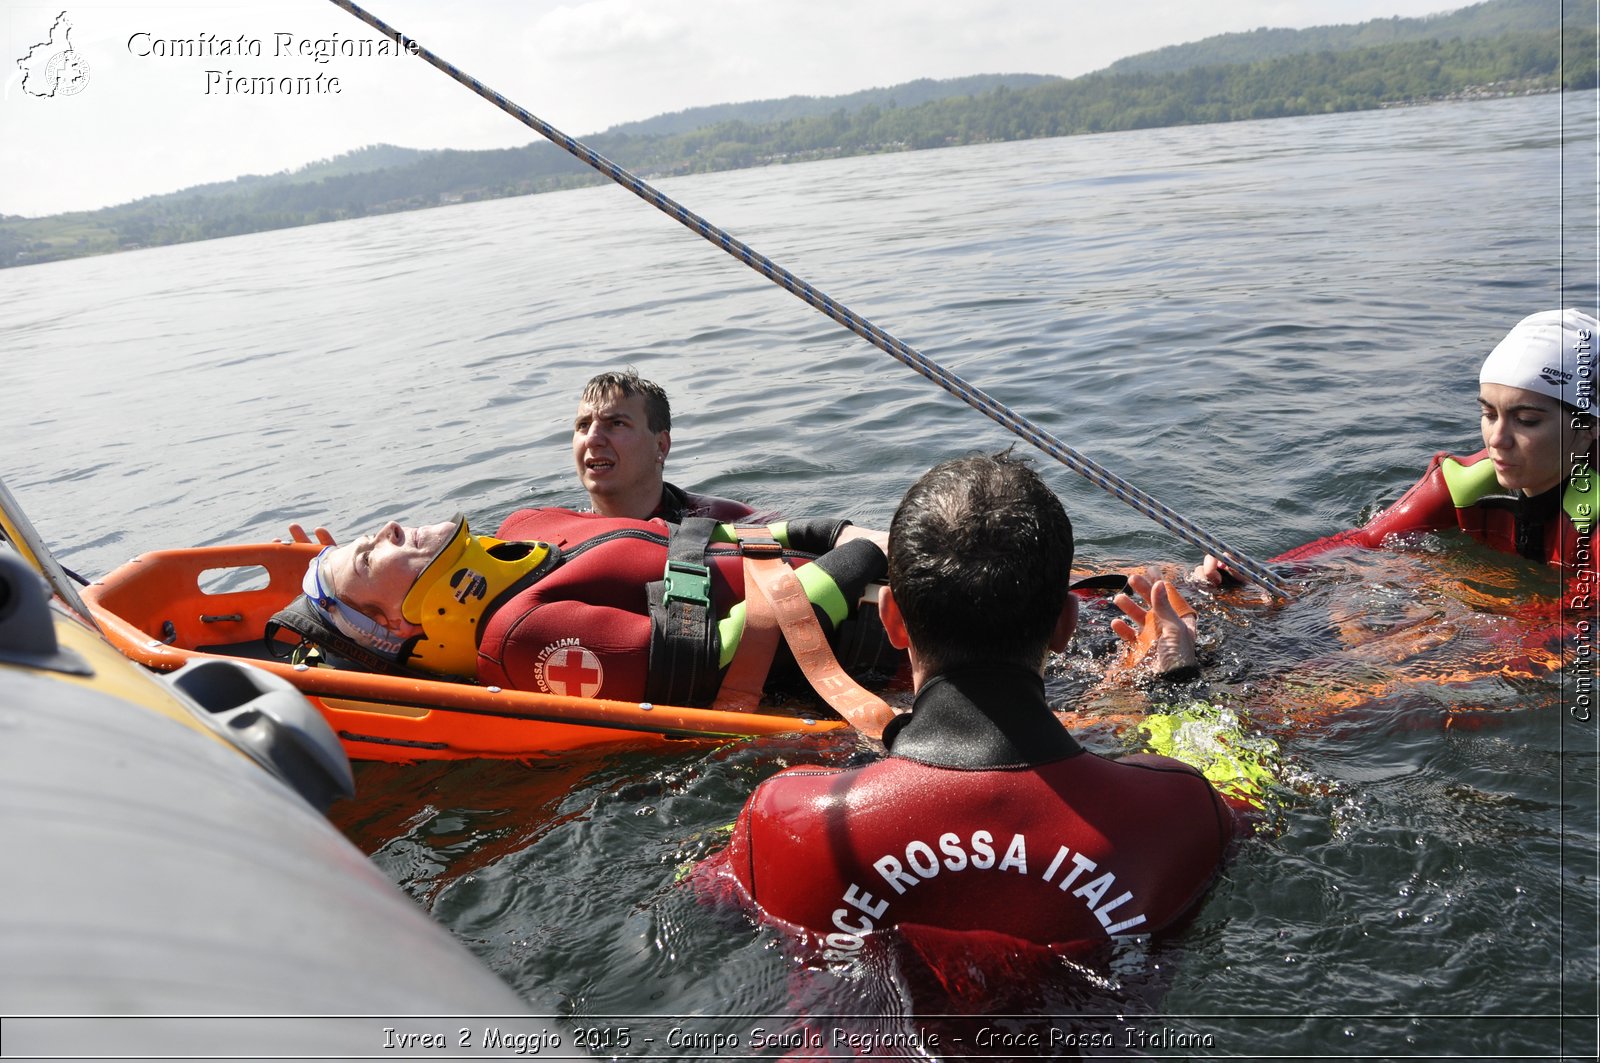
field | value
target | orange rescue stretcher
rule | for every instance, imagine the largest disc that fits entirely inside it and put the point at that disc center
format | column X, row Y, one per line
column 159, row 610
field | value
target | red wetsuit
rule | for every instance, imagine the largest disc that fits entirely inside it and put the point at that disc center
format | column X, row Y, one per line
column 1538, row 527
column 1556, row 527
column 583, row 629
column 986, row 815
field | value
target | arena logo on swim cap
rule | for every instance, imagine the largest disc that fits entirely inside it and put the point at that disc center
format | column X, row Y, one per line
column 1551, row 375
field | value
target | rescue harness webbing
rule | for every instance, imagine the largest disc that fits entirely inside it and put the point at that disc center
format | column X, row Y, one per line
column 683, row 631
column 758, row 642
column 684, row 638
column 973, row 396
column 776, row 602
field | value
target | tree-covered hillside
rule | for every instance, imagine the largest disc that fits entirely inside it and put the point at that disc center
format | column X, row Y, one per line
column 763, row 112
column 1491, row 19
column 384, row 179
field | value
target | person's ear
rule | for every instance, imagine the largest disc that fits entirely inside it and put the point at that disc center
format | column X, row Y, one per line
column 894, row 625
column 663, row 444
column 1066, row 624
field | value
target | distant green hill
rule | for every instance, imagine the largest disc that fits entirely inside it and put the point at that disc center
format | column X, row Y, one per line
column 369, row 159
column 1492, row 19
column 1317, row 78
column 763, row 112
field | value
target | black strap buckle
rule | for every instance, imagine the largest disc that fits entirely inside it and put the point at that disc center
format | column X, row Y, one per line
column 683, row 632
column 760, row 547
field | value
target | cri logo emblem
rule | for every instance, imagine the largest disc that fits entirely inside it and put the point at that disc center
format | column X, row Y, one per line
column 566, row 667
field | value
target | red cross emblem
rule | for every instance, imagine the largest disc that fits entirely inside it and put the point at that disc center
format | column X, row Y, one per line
column 574, row 671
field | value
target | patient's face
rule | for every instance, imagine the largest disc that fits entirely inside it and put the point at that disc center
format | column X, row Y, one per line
column 373, row 574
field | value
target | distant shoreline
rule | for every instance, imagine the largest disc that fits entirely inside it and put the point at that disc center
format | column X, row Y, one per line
column 1200, row 88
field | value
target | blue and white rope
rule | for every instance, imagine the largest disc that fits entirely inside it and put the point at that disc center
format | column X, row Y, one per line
column 973, row 396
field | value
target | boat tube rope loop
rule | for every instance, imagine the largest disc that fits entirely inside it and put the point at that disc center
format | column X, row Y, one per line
column 973, row 396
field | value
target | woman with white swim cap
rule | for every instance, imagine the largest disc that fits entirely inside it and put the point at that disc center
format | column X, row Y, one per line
column 1532, row 490
column 1537, row 395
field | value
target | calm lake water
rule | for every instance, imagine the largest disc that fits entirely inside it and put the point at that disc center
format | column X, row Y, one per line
column 1269, row 326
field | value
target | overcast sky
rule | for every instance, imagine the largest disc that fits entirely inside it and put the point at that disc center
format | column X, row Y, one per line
column 145, row 122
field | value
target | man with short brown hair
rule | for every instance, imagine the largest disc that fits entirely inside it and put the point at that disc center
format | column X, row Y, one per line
column 620, row 440
column 986, row 814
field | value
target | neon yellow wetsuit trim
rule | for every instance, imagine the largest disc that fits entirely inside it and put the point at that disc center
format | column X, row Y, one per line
column 1470, row 484
column 779, row 530
column 820, row 588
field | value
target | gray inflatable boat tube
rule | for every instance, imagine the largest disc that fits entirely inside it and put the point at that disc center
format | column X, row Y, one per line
column 158, row 880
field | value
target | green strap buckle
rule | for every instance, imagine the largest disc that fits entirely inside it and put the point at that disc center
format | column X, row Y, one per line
column 687, row 582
